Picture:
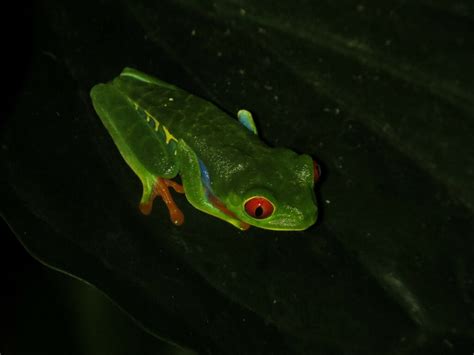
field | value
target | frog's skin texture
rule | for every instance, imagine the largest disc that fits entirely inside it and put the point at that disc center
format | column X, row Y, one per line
column 226, row 171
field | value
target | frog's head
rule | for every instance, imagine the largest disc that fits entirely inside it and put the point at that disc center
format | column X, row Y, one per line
column 274, row 192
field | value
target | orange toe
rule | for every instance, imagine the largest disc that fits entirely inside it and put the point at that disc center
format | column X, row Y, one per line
column 177, row 187
column 161, row 189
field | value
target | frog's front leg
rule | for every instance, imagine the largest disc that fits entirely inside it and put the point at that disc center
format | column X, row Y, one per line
column 161, row 188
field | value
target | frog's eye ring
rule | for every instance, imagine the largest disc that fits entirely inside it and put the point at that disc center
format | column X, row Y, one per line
column 259, row 207
column 317, row 171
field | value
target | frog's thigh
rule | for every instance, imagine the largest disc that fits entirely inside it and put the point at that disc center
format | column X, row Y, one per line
column 140, row 140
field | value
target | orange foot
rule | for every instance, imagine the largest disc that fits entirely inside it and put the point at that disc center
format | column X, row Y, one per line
column 161, row 189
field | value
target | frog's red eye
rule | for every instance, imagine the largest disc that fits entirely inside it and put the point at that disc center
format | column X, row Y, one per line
column 259, row 207
column 317, row 171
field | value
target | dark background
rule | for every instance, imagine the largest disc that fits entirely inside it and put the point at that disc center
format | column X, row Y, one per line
column 329, row 282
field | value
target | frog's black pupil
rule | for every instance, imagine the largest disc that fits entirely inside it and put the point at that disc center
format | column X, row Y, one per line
column 258, row 211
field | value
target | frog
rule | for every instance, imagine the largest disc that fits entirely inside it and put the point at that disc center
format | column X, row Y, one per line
column 165, row 133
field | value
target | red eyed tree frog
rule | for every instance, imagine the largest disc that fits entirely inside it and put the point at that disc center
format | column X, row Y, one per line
column 226, row 170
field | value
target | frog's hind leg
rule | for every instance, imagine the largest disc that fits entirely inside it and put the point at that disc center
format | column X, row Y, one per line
column 160, row 188
column 146, row 145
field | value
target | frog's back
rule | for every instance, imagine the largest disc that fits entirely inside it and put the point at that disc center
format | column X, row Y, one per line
column 205, row 128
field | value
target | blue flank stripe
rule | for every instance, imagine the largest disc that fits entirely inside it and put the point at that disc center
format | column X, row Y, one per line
column 206, row 180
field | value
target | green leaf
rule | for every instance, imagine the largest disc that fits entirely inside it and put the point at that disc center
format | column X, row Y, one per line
column 381, row 94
